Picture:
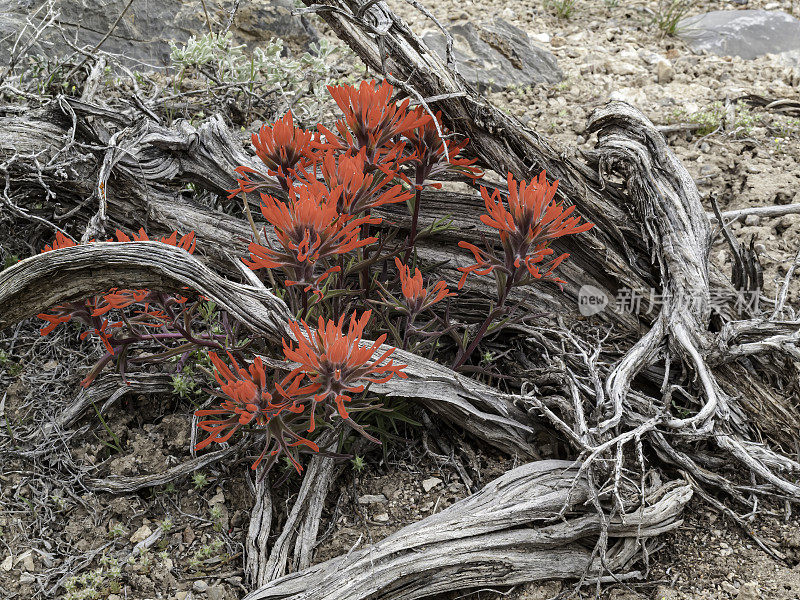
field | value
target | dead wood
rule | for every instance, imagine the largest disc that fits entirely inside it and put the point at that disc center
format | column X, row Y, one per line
column 292, row 549
column 510, row 532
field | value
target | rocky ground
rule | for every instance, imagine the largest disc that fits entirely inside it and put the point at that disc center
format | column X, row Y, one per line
column 744, row 156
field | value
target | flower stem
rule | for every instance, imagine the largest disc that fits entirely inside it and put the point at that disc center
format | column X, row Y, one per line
column 497, row 311
column 412, row 235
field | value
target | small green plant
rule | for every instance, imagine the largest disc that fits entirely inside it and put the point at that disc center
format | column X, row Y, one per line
column 10, row 260
column 207, row 551
column 358, row 463
column 200, row 480
column 216, row 516
column 95, row 584
column 561, row 8
column 302, row 81
column 745, row 120
column 116, row 531
column 166, row 525
column 716, row 117
column 669, row 13
column 183, row 386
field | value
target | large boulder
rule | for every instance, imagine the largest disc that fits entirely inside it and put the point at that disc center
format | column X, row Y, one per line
column 143, row 35
column 745, row 33
column 496, row 55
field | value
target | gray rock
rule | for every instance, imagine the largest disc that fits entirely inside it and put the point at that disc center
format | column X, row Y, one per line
column 664, row 71
column 372, row 499
column 142, row 37
column 745, row 33
column 749, row 591
column 496, row 55
column 200, row 586
column 430, row 483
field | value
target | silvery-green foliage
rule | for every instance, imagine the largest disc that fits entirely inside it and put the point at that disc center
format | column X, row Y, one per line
column 300, row 82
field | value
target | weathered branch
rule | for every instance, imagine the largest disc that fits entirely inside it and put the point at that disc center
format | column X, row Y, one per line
column 507, row 533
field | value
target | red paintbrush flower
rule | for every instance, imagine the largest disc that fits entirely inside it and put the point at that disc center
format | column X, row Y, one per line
column 310, row 230
column 91, row 309
column 416, row 296
column 187, row 242
column 252, row 400
column 371, row 121
column 355, row 191
column 61, row 241
column 339, row 363
column 283, row 147
column 527, row 228
column 427, row 152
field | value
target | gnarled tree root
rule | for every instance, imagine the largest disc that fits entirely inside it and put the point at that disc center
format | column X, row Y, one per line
column 509, row 532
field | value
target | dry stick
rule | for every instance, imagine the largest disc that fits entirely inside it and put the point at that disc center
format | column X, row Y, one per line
column 300, row 529
column 46, row 21
column 126, row 485
column 101, row 42
column 784, row 293
column 256, row 545
column 759, row 211
column 208, row 21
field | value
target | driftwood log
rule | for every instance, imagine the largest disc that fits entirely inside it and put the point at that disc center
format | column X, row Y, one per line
column 691, row 383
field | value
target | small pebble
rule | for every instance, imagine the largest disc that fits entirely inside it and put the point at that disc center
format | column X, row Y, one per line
column 200, row 586
column 749, row 591
column 26, row 578
column 216, row 592
column 430, row 483
column 141, row 534
column 664, row 71
column 372, row 499
column 752, row 220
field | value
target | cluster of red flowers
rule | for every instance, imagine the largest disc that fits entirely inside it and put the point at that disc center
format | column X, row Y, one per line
column 526, row 231
column 334, row 181
column 95, row 312
column 332, row 364
column 319, row 192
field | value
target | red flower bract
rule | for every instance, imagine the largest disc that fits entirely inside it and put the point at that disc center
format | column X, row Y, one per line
column 283, row 147
column 355, row 190
column 427, row 151
column 527, row 228
column 252, row 400
column 310, row 229
column 370, row 120
column 339, row 363
column 61, row 241
column 417, row 296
